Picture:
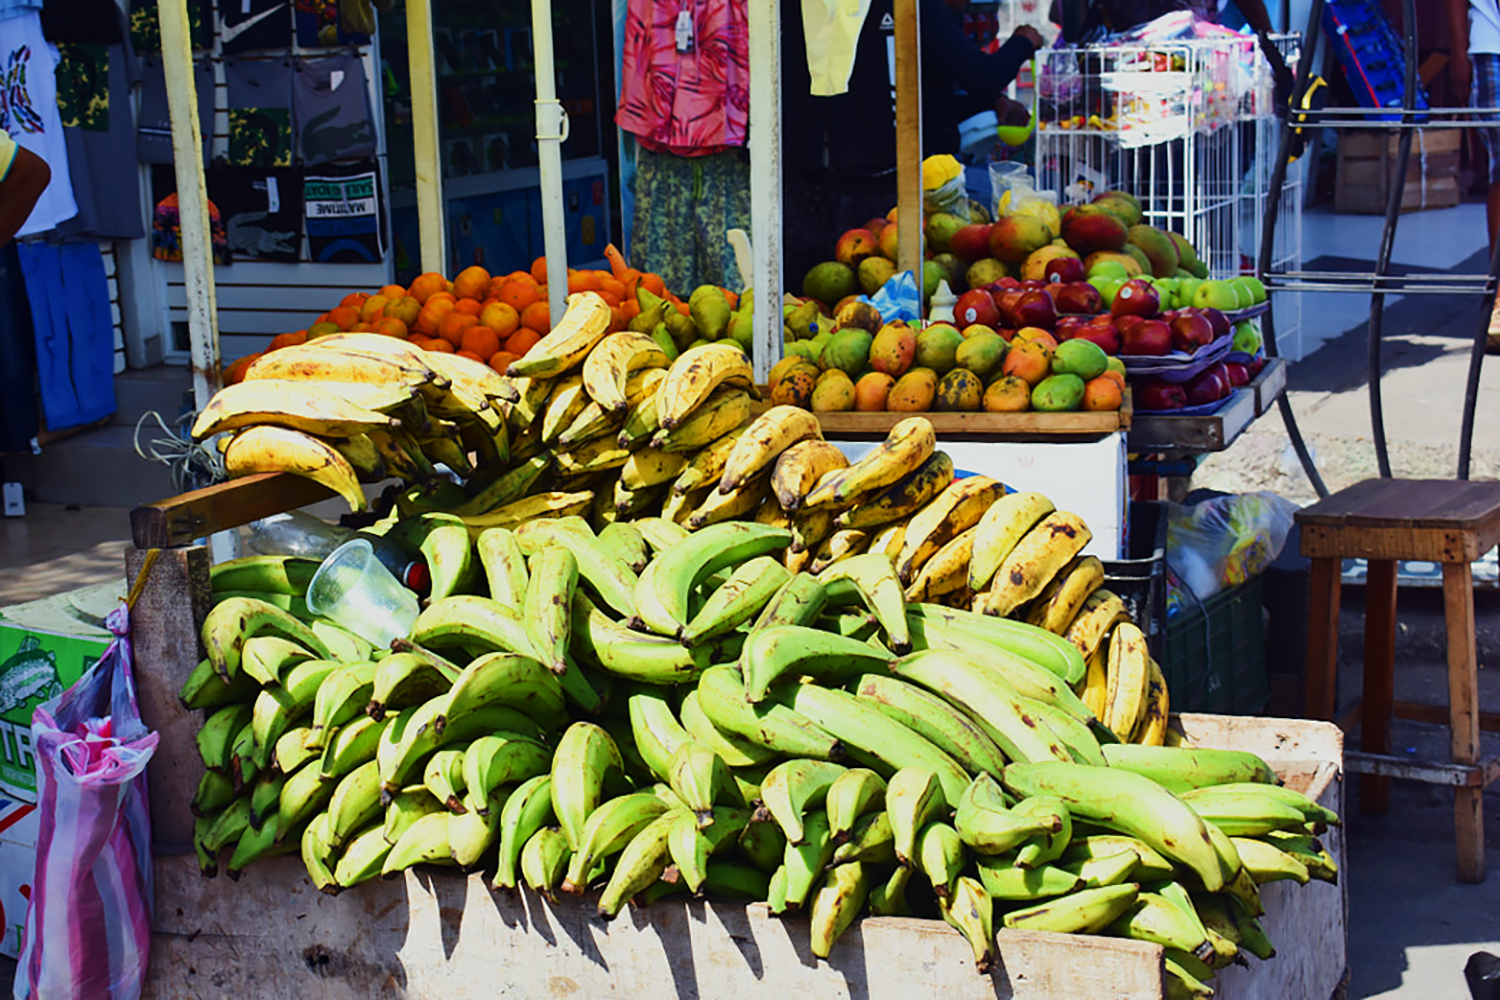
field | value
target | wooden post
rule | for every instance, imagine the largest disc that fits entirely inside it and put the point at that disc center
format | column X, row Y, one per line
column 1463, row 706
column 1322, row 638
column 1380, row 679
column 164, row 627
column 908, row 139
column 551, row 133
column 424, row 127
column 192, row 199
column 765, row 182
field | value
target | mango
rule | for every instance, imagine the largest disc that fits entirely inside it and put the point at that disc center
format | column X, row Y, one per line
column 888, row 239
column 960, row 391
column 1083, row 358
column 932, row 273
column 795, row 387
column 804, row 351
column 855, row 246
column 954, row 269
column 1058, row 394
column 780, row 368
column 893, row 349
column 940, row 229
column 1102, row 394
column 742, row 328
column 848, row 350
column 857, row 313
column 913, row 392
column 982, row 353
column 802, row 320
column 1141, row 259
column 1158, row 248
column 1029, row 361
column 1014, row 237
column 1122, row 203
column 874, row 272
column 985, row 271
column 1129, row 263
column 871, row 392
column 833, row 392
column 937, row 347
column 1091, row 228
column 1035, row 264
column 830, row 281
column 1007, row 394
column 1187, row 257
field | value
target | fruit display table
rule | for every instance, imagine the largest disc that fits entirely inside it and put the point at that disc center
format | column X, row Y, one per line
column 1173, row 435
column 437, row 932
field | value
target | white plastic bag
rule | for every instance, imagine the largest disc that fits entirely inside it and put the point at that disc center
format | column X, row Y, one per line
column 1225, row 541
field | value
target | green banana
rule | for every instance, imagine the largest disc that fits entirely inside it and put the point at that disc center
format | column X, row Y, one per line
column 205, row 689
column 350, row 747
column 498, row 759
column 1182, row 769
column 913, row 798
column 762, row 842
column 316, row 855
column 941, row 856
column 798, row 650
column 1151, row 866
column 504, row 566
column 256, row 843
column 443, row 776
column 607, row 830
column 1111, row 869
column 1241, row 812
column 425, row 841
column 403, row 680
column 275, row 709
column 1019, row 638
column 721, row 695
column 610, row 578
column 584, row 758
column 989, row 828
column 528, row 810
column 1158, row 920
column 641, row 863
column 549, row 602
column 970, row 910
column 215, row 738
column 1268, row 863
column 266, row 657
column 805, row 861
column 871, row 840
column 741, row 598
column 1086, row 911
column 272, row 574
column 835, row 905
column 363, row 858
column 699, row 778
column 636, row 655
column 655, row 730
column 799, row 602
column 737, row 752
column 304, row 793
column 505, row 679
column 265, row 798
column 874, row 576
column 888, row 899
column 851, row 795
column 934, row 719
column 215, row 791
column 291, row 750
column 628, row 544
column 442, row 540
column 792, row 788
column 691, row 845
column 1003, row 880
column 1042, row 848
column 343, row 695
column 232, row 621
column 1254, row 791
column 663, row 590
column 354, row 805
column 473, row 832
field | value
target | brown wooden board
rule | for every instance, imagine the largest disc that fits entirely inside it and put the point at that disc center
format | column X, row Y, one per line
column 1269, row 384
column 1168, row 434
column 181, row 519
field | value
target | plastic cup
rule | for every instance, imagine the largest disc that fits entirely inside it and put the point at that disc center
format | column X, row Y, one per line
column 357, row 592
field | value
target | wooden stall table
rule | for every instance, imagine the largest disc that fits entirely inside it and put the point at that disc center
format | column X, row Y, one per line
column 1383, row 521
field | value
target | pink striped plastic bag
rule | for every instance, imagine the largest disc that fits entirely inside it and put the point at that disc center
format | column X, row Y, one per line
column 88, row 926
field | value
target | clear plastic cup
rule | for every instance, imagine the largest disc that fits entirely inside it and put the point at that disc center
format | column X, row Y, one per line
column 354, row 590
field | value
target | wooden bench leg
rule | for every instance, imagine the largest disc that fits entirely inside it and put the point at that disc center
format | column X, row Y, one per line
column 1463, row 707
column 1322, row 638
column 1379, row 685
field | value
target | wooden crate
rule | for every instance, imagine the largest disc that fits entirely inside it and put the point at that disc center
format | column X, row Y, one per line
column 1367, row 169
column 439, row 933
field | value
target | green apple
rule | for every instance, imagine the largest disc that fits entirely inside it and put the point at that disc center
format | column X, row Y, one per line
column 1247, row 339
column 1166, row 291
column 1187, row 288
column 1256, row 286
column 1218, row 295
column 1243, row 292
column 1108, row 269
column 1107, row 287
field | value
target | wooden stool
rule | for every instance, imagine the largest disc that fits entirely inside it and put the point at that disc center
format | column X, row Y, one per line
column 1385, row 520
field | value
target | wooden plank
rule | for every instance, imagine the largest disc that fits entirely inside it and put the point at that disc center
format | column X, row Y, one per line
column 1163, row 433
column 164, row 628
column 1489, row 722
column 1322, row 638
column 1319, row 541
column 432, row 233
column 1269, row 384
column 908, row 58
column 764, row 25
column 977, row 423
column 180, row 520
column 1455, row 775
column 1438, row 504
column 1380, row 680
column 1463, row 703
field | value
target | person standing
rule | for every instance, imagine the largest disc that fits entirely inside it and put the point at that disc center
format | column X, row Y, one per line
column 1474, row 65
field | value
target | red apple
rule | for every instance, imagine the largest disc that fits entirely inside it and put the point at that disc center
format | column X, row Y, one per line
column 1009, row 282
column 1206, row 387
column 1149, row 337
column 1126, row 323
column 1190, row 331
column 1005, row 300
column 975, row 306
column 1154, row 394
column 1035, row 308
column 876, row 224
column 1007, row 333
column 972, row 242
column 1033, row 284
column 1105, row 334
column 1136, row 298
column 1061, row 270
column 1238, row 374
column 1078, row 297
column 1256, row 365
column 1067, row 327
column 1217, row 321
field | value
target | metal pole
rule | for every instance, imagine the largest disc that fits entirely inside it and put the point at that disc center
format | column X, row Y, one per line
column 424, row 127
column 764, row 25
column 908, row 139
column 192, row 200
column 551, row 133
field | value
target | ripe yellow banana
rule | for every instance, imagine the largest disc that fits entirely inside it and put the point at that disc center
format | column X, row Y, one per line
column 904, row 497
column 1035, row 560
column 363, row 456
column 947, row 570
column 1095, row 691
column 1003, row 525
column 312, row 407
column 706, row 466
column 837, row 546
column 1152, row 729
column 649, row 467
column 955, row 510
column 768, row 435
column 1057, row 605
column 610, row 363
column 555, row 503
column 598, row 455
column 800, row 467
column 1129, row 677
column 888, row 539
column 695, row 374
column 910, row 443
column 310, row 363
column 729, row 506
column 583, row 325
column 1100, row 613
column 280, row 449
column 725, row 409
column 474, row 377
column 566, row 402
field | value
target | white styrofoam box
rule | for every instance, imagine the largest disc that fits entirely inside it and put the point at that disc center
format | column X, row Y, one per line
column 1087, row 478
column 18, row 830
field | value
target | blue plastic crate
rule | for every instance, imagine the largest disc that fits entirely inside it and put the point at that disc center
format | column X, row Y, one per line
column 1371, row 54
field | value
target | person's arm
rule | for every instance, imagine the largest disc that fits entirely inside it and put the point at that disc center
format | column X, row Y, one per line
column 1255, row 15
column 24, row 183
column 983, row 75
column 1458, row 59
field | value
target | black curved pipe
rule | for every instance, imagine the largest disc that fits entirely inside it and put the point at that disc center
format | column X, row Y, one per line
column 1476, row 359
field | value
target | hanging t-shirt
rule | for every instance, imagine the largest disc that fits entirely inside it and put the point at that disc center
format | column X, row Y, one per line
column 320, row 26
column 93, row 95
column 28, row 112
column 262, row 210
column 332, row 110
column 154, row 129
column 342, row 204
column 247, row 25
column 685, row 75
column 259, row 96
column 166, row 232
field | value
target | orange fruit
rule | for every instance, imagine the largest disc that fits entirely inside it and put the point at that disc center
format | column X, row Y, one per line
column 391, row 327
column 393, row 292
column 501, row 360
column 452, row 326
column 495, row 285
column 472, row 283
column 353, row 300
column 322, row 329
column 405, row 309
column 424, row 285
column 470, row 355
column 442, row 297
column 373, row 308
column 521, row 341
column 537, row 316
column 500, row 317
column 583, row 281
column 480, row 340
column 440, row 345
column 343, row 317
column 235, row 373
column 539, row 270
column 288, row 340
column 471, row 306
column 362, row 327
column 518, row 293
column 430, row 316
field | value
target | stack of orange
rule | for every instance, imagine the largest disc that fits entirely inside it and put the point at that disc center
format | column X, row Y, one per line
column 490, row 319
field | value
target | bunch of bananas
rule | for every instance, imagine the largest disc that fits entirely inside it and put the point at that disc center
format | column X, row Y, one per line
column 640, row 710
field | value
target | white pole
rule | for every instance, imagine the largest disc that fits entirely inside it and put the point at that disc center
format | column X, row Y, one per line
column 765, row 181
column 432, row 234
column 551, row 133
column 192, row 200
